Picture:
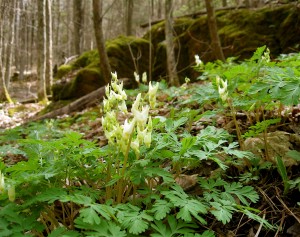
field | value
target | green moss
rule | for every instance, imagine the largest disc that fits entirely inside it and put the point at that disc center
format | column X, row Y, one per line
column 85, row 59
column 63, row 70
column 128, row 54
column 16, row 109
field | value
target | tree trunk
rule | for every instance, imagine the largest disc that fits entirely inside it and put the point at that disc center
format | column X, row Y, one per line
column 49, row 72
column 213, row 30
column 9, row 48
column 78, row 25
column 128, row 16
column 57, row 33
column 104, row 63
column 4, row 95
column 23, row 39
column 171, row 63
column 41, row 64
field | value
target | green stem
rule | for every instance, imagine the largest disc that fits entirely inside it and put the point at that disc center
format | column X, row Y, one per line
column 120, row 187
column 238, row 130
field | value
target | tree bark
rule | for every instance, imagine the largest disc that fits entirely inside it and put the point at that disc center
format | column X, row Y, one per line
column 171, row 63
column 97, row 18
column 49, row 72
column 9, row 48
column 4, row 95
column 23, row 39
column 128, row 16
column 213, row 30
column 41, row 64
column 78, row 25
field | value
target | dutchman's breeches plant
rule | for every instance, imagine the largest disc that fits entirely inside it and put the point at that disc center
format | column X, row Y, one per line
column 135, row 131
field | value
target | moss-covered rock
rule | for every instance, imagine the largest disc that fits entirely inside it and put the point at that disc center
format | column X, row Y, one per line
column 241, row 32
column 63, row 70
column 86, row 80
column 83, row 75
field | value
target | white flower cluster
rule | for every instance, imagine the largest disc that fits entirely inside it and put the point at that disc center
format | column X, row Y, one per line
column 222, row 89
column 135, row 131
column 198, row 61
column 10, row 189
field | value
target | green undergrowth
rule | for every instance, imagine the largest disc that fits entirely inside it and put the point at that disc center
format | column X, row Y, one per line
column 172, row 168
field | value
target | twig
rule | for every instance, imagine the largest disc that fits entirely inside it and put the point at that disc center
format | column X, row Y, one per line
column 285, row 206
column 281, row 223
column 260, row 226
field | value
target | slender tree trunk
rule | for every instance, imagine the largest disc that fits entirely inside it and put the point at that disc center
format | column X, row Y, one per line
column 88, row 35
column 41, row 65
column 69, row 51
column 4, row 95
column 23, row 40
column 57, row 33
column 9, row 49
column 213, row 30
column 49, row 72
column 171, row 63
column 97, row 17
column 159, row 11
column 17, row 30
column 128, row 16
column 78, row 25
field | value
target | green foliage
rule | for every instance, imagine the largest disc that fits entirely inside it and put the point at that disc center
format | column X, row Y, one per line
column 260, row 127
column 69, row 186
column 282, row 171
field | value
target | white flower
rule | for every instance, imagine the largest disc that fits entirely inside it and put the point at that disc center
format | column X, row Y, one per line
column 128, row 128
column 198, row 60
column 2, row 184
column 144, row 77
column 223, row 93
column 135, row 105
column 114, row 76
column 222, row 90
column 141, row 116
column 152, row 94
column 122, row 107
column 136, row 77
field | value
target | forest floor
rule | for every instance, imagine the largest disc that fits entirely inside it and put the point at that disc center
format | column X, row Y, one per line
column 223, row 159
column 277, row 208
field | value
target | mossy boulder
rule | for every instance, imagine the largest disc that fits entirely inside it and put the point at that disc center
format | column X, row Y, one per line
column 126, row 55
column 241, row 32
column 63, row 70
column 85, row 81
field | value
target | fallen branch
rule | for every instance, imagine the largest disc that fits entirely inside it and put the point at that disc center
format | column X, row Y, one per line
column 86, row 101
